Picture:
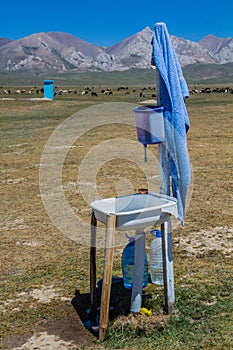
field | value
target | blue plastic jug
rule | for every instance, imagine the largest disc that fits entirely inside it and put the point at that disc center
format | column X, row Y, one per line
column 127, row 263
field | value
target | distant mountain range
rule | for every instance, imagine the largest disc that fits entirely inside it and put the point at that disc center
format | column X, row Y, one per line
column 58, row 52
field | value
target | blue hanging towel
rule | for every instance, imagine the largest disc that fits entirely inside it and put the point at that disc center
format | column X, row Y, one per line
column 172, row 91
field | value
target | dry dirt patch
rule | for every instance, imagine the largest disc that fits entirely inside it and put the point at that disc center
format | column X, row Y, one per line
column 43, row 295
column 198, row 243
column 62, row 332
column 45, row 341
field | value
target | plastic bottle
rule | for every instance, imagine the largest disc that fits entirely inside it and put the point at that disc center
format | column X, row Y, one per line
column 127, row 263
column 156, row 260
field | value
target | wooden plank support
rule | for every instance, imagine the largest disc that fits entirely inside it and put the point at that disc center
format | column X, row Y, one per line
column 168, row 272
column 107, row 279
column 93, row 259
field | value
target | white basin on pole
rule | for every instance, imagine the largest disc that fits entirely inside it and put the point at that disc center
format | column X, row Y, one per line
column 136, row 211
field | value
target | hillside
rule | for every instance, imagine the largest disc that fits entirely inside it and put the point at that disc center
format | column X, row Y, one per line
column 209, row 73
column 222, row 48
column 194, row 74
column 59, row 52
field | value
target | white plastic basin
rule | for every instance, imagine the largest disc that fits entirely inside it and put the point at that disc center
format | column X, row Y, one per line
column 136, row 211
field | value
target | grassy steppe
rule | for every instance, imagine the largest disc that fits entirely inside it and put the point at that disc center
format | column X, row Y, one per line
column 41, row 268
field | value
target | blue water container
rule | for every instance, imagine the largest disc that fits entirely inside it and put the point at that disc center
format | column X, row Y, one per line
column 149, row 124
column 127, row 263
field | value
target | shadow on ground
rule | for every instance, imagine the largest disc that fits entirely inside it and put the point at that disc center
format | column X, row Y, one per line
column 119, row 304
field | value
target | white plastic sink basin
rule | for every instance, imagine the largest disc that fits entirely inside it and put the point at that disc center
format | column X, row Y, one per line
column 136, row 211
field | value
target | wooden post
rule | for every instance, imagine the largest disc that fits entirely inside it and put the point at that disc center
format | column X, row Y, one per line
column 139, row 259
column 93, row 259
column 168, row 272
column 107, row 279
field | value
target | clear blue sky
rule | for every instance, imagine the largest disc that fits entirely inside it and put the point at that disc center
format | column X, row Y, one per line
column 108, row 22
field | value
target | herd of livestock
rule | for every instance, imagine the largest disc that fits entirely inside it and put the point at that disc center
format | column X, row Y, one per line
column 85, row 91
column 143, row 92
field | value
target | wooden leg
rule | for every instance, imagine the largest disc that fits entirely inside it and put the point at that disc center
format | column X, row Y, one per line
column 139, row 259
column 168, row 272
column 93, row 259
column 107, row 279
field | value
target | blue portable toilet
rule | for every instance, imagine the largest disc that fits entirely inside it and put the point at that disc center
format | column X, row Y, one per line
column 49, row 89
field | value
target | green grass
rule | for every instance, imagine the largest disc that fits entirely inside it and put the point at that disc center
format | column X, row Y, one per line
column 194, row 74
column 209, row 73
column 129, row 78
column 203, row 314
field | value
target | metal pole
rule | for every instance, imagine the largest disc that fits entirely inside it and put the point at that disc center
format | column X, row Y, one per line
column 168, row 271
column 93, row 259
column 139, row 259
